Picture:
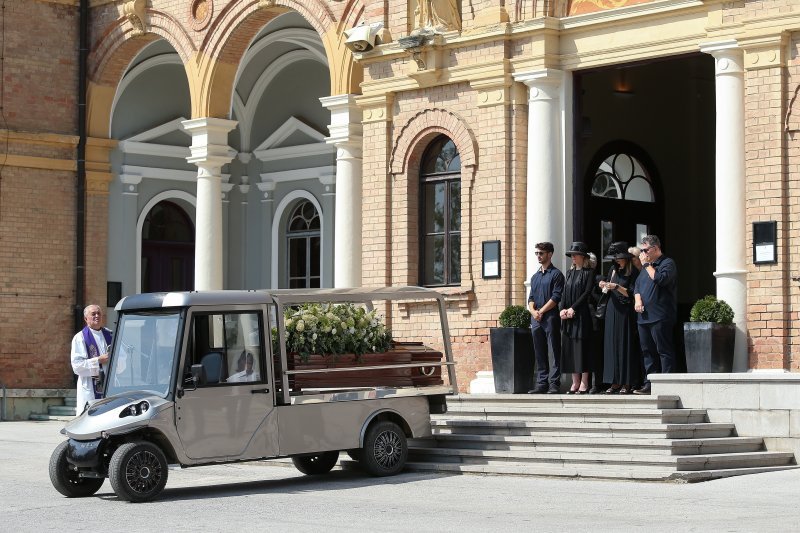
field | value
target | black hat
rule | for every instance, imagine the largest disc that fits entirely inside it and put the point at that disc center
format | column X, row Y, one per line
column 618, row 250
column 578, row 248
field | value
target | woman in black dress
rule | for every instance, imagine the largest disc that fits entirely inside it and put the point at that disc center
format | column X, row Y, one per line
column 622, row 361
column 576, row 320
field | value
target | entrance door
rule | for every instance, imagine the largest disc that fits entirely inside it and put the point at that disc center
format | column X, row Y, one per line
column 167, row 250
column 622, row 200
column 231, row 414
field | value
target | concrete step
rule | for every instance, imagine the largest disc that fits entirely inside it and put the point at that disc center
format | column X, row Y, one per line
column 629, row 460
column 43, row 418
column 592, row 444
column 596, row 472
column 61, row 410
column 441, row 425
column 70, row 401
column 562, row 401
column 613, row 413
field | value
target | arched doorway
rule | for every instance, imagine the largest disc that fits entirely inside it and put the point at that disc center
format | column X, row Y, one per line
column 303, row 244
column 623, row 198
column 167, row 249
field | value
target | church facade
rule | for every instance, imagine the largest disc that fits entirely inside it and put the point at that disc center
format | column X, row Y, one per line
column 246, row 144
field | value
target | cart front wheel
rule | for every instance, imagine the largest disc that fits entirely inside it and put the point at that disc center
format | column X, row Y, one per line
column 138, row 471
column 65, row 477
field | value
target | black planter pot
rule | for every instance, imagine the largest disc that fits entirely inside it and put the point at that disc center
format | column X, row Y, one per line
column 512, row 359
column 709, row 346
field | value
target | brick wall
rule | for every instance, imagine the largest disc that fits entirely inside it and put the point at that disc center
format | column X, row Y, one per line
column 37, row 193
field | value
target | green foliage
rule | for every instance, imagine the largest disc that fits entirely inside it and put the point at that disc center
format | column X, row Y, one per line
column 333, row 329
column 709, row 309
column 515, row 316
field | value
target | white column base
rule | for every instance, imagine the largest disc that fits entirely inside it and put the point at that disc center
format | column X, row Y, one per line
column 483, row 383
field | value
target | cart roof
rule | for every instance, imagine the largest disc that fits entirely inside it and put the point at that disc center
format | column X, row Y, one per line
column 269, row 296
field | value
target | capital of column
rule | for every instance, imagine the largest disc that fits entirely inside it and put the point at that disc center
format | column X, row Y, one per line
column 543, row 84
column 728, row 56
column 345, row 127
column 209, row 149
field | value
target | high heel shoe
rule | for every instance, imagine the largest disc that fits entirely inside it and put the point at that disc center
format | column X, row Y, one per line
column 570, row 391
column 584, row 391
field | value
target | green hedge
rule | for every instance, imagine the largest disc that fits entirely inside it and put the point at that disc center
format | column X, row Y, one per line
column 709, row 309
column 515, row 316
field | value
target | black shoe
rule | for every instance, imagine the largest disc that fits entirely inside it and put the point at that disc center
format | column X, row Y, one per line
column 594, row 390
column 554, row 389
column 537, row 390
column 643, row 390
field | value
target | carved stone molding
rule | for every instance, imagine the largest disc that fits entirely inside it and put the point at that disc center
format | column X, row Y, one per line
column 764, row 52
column 200, row 13
column 134, row 11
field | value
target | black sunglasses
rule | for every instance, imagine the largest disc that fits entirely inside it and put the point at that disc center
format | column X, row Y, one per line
column 645, row 250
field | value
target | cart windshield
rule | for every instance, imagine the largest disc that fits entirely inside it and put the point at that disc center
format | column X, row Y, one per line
column 145, row 352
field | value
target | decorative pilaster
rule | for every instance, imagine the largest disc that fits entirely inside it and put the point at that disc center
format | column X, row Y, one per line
column 345, row 133
column 731, row 271
column 545, row 191
column 210, row 151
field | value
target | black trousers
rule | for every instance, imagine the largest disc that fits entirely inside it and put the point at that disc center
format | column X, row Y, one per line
column 548, row 331
column 658, row 349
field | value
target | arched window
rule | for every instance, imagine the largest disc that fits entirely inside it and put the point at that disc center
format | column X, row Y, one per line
column 167, row 249
column 440, row 195
column 623, row 177
column 304, row 246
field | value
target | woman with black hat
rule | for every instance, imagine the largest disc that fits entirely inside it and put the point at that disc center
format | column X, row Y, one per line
column 622, row 361
column 576, row 320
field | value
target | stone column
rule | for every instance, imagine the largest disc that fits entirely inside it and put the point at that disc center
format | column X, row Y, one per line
column 731, row 223
column 131, row 283
column 345, row 133
column 545, row 193
column 267, row 190
column 328, row 181
column 210, row 151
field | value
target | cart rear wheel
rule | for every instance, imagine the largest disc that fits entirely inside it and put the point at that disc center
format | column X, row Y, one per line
column 65, row 477
column 313, row 465
column 385, row 449
column 138, row 471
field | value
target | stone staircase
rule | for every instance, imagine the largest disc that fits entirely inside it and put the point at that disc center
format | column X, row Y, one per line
column 593, row 436
column 57, row 412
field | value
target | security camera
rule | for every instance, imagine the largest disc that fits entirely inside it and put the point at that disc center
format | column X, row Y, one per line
column 362, row 38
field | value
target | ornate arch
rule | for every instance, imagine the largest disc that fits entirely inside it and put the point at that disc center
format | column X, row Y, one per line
column 113, row 52
column 234, row 29
column 426, row 124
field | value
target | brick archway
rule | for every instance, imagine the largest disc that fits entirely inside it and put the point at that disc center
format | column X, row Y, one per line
column 425, row 125
column 233, row 30
column 112, row 53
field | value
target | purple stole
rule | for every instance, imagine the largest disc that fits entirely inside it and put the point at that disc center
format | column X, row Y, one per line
column 94, row 351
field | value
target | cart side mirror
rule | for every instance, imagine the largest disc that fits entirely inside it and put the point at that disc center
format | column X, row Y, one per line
column 198, row 375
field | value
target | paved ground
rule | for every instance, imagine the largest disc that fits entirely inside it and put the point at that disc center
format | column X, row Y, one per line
column 277, row 498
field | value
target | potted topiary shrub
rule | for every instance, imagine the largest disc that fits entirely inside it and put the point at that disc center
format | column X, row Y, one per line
column 512, row 351
column 710, row 336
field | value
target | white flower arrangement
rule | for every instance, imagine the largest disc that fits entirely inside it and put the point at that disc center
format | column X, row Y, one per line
column 333, row 329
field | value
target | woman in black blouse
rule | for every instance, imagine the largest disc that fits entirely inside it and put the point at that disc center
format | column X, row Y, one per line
column 576, row 319
column 622, row 361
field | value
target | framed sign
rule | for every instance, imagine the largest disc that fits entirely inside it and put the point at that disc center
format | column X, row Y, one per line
column 491, row 259
column 765, row 242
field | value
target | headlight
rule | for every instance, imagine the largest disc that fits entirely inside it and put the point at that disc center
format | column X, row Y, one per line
column 135, row 409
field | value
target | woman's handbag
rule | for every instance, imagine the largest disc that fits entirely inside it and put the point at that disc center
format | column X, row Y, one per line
column 602, row 303
column 600, row 309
